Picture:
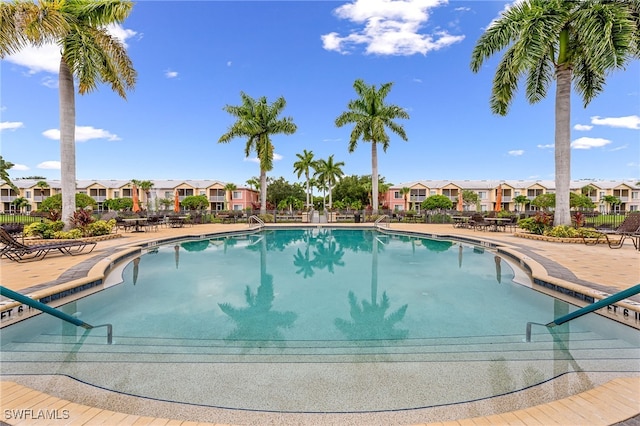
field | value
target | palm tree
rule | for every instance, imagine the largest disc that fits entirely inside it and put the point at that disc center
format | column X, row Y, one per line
column 405, row 191
column 253, row 182
column 145, row 186
column 229, row 188
column 88, row 52
column 565, row 41
column 304, row 164
column 257, row 121
column 329, row 172
column 4, row 174
column 371, row 115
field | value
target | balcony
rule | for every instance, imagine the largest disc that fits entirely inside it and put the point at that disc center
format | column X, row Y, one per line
column 417, row 198
column 99, row 198
column 8, row 199
column 216, row 199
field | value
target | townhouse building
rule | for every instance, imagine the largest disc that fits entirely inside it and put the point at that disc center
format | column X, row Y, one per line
column 507, row 192
column 36, row 191
column 490, row 193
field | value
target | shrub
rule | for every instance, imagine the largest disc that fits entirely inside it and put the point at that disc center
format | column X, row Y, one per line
column 562, row 231
column 99, row 227
column 536, row 224
column 81, row 218
column 43, row 229
column 68, row 235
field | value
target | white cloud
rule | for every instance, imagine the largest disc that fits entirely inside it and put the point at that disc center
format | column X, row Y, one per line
column 49, row 165
column 547, row 146
column 417, row 80
column 619, row 148
column 582, row 127
column 588, row 143
column 11, row 125
column 628, row 122
column 229, row 63
column 516, row 152
column 388, row 27
column 83, row 134
column 276, row 157
column 20, row 167
column 46, row 58
column 171, row 74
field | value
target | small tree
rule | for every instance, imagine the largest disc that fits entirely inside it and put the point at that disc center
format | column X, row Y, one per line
column 611, row 200
column 521, row 200
column 55, row 202
column 195, row 202
column 544, row 201
column 437, row 202
column 470, row 198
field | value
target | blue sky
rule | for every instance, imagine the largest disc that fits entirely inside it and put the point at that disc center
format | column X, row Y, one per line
column 195, row 57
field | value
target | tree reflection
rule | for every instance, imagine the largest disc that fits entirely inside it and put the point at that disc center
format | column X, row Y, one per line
column 257, row 324
column 368, row 319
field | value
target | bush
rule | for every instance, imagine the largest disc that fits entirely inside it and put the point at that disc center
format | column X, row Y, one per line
column 68, row 235
column 43, row 229
column 99, row 227
column 537, row 224
column 562, row 231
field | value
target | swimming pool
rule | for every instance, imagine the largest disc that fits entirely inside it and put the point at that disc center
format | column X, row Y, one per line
column 320, row 321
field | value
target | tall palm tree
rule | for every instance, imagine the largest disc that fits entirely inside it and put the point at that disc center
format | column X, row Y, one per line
column 329, row 172
column 304, row 165
column 257, row 120
column 371, row 116
column 562, row 41
column 88, row 52
column 405, row 190
column 229, row 188
column 145, row 186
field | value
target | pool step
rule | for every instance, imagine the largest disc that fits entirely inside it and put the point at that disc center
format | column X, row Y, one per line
column 48, row 347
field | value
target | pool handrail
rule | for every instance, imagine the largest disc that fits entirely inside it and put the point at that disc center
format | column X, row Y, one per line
column 631, row 291
column 53, row 311
column 255, row 218
column 383, row 218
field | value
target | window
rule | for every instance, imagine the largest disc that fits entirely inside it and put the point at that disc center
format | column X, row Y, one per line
column 482, row 195
column 634, row 195
column 116, row 194
column 27, row 194
column 237, row 207
column 397, row 195
column 236, row 195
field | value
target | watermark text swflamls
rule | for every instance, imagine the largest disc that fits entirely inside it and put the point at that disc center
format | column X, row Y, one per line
column 31, row 414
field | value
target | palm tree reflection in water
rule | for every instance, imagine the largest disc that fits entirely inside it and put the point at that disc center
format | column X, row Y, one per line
column 368, row 321
column 257, row 324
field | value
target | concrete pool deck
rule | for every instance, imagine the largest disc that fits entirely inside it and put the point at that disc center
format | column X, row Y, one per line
column 593, row 268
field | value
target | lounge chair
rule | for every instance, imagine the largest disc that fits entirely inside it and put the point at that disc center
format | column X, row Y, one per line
column 16, row 251
column 629, row 228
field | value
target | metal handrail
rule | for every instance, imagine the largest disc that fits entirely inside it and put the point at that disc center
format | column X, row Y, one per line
column 587, row 309
column 382, row 218
column 53, row 311
column 256, row 219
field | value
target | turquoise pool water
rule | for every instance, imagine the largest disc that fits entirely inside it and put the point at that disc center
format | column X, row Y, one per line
column 319, row 320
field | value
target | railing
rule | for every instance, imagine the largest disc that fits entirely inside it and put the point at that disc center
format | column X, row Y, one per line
column 254, row 218
column 52, row 311
column 587, row 309
column 382, row 221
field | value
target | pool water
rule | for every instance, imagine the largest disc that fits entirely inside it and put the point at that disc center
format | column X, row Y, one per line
column 319, row 320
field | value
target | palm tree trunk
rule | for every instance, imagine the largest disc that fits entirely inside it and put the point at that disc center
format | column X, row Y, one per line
column 562, row 215
column 308, row 191
column 263, row 192
column 374, row 177
column 67, row 143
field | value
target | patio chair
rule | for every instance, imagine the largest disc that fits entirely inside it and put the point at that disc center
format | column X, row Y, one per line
column 477, row 222
column 629, row 228
column 18, row 252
